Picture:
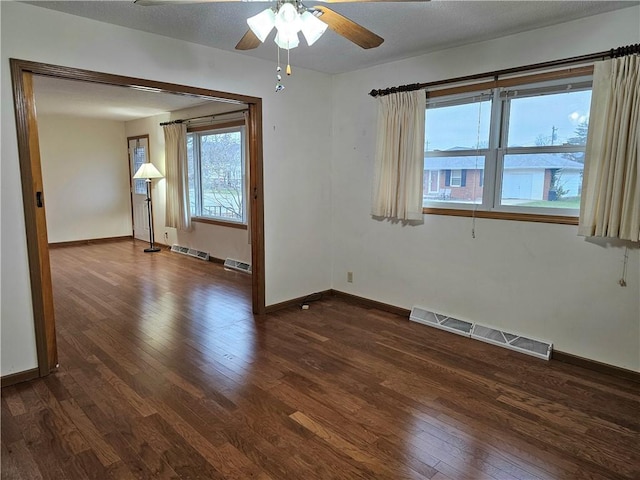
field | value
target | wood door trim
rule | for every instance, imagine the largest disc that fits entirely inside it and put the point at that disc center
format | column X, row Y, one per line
column 35, row 220
column 254, row 127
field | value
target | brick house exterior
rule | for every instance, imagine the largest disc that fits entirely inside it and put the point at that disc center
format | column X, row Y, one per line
column 526, row 177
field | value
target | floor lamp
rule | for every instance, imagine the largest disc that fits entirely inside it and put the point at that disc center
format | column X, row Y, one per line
column 149, row 171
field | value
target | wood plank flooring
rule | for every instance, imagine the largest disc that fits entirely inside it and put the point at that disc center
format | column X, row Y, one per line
column 165, row 373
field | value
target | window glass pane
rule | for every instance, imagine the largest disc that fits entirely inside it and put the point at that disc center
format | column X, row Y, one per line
column 139, row 157
column 222, row 175
column 556, row 119
column 453, row 179
column 192, row 176
column 456, row 178
column 458, row 127
column 543, row 180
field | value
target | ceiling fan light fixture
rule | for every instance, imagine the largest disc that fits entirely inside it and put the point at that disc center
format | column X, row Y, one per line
column 287, row 20
column 262, row 23
column 287, row 42
column 312, row 28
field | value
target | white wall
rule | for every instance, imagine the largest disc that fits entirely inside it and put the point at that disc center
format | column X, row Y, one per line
column 530, row 278
column 296, row 177
column 537, row 279
column 85, row 174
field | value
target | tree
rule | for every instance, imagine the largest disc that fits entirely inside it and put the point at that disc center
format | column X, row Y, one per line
column 557, row 185
column 542, row 140
column 545, row 140
column 580, row 138
column 221, row 173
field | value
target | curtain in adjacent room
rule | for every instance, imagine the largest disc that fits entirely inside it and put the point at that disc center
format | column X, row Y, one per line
column 399, row 162
column 178, row 213
column 247, row 170
column 610, row 205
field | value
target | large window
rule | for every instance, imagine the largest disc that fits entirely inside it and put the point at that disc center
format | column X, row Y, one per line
column 517, row 149
column 217, row 174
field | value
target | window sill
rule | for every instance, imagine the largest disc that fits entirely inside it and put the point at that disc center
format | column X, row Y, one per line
column 520, row 217
column 222, row 223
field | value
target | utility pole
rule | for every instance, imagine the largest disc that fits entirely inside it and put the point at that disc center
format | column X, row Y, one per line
column 554, row 135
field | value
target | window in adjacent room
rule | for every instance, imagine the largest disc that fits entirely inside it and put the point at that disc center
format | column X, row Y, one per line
column 510, row 149
column 217, row 169
column 139, row 157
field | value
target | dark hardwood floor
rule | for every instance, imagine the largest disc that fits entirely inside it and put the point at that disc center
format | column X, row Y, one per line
column 165, row 373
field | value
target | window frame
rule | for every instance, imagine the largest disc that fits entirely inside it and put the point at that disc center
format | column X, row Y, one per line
column 457, row 177
column 490, row 181
column 197, row 133
column 459, row 98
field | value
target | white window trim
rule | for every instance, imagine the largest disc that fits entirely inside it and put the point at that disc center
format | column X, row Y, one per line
column 458, row 178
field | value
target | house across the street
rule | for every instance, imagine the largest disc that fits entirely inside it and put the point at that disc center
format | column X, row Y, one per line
column 527, row 177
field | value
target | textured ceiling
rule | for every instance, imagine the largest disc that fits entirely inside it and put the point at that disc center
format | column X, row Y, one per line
column 409, row 28
column 68, row 97
column 93, row 100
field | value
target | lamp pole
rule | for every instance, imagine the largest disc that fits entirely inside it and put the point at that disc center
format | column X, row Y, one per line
column 149, row 171
column 152, row 247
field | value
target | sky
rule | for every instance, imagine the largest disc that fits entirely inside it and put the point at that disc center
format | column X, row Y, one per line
column 530, row 118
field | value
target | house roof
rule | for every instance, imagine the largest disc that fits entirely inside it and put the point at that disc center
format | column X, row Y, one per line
column 519, row 161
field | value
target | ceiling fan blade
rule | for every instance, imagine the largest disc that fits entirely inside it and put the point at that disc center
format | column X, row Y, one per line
column 249, row 41
column 148, row 3
column 349, row 29
column 365, row 1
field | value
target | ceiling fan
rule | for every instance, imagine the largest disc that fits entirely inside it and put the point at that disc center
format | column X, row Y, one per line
column 289, row 15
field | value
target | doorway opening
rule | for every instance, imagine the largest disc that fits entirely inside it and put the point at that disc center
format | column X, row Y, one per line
column 23, row 73
column 138, row 149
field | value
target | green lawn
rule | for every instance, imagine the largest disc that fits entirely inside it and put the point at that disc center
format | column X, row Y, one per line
column 572, row 203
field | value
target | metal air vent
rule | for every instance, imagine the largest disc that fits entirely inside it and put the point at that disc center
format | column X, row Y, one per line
column 536, row 348
column 192, row 252
column 237, row 265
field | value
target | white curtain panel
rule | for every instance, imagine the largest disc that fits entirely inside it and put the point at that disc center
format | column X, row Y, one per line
column 610, row 205
column 178, row 213
column 399, row 163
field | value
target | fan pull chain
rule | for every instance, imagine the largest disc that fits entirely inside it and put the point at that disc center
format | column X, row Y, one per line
column 279, row 85
column 288, row 63
column 623, row 280
column 475, row 206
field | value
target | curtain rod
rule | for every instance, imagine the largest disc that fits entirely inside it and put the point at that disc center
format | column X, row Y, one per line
column 182, row 120
column 613, row 53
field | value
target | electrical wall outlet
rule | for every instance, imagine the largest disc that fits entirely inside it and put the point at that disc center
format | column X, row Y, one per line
column 350, row 277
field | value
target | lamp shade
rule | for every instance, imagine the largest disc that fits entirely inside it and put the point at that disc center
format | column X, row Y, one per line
column 312, row 28
column 262, row 23
column 147, row 170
